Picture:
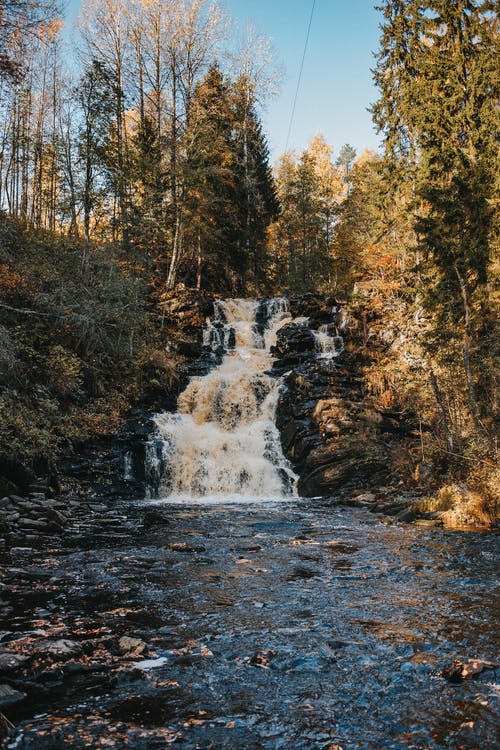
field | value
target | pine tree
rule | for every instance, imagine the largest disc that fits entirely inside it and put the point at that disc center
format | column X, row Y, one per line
column 310, row 191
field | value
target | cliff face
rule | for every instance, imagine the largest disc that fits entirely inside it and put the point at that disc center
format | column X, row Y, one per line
column 337, row 440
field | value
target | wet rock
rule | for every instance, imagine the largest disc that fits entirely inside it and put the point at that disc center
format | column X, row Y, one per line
column 31, row 523
column 190, row 348
column 301, row 572
column 220, row 598
column 17, row 500
column 155, row 518
column 21, row 551
column 185, row 547
column 338, row 470
column 367, row 497
column 459, row 671
column 406, row 515
column 262, row 658
column 10, row 661
column 331, row 430
column 294, row 338
column 60, row 649
column 9, row 696
column 127, row 645
column 127, row 675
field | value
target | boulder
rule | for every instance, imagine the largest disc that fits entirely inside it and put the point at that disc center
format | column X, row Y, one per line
column 60, row 649
column 294, row 338
column 458, row 505
column 127, row 645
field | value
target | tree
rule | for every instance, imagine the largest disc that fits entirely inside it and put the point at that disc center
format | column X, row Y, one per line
column 310, row 192
column 103, row 27
column 21, row 18
column 439, row 86
column 96, row 104
column 211, row 202
column 259, row 194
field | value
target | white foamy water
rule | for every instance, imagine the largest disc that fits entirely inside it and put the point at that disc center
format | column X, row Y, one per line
column 222, row 444
column 328, row 346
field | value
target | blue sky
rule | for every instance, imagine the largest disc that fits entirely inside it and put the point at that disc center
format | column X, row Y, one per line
column 336, row 86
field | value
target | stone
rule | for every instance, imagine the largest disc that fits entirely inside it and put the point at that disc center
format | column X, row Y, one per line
column 60, row 649
column 37, row 495
column 294, row 338
column 367, row 497
column 22, row 551
column 127, row 675
column 8, row 696
column 16, row 499
column 10, row 661
column 155, row 518
column 32, row 523
column 406, row 515
column 129, row 645
column 55, row 517
column 459, row 671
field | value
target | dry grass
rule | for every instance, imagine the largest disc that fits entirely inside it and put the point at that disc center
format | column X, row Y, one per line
column 459, row 506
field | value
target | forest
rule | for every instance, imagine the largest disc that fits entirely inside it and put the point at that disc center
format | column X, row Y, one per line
column 249, row 477
column 141, row 167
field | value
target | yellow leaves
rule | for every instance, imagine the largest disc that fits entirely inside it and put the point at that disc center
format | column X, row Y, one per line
column 50, row 31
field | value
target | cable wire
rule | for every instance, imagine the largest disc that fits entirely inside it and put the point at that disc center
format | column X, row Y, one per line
column 300, row 76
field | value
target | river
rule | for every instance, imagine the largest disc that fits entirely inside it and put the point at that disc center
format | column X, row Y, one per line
column 261, row 620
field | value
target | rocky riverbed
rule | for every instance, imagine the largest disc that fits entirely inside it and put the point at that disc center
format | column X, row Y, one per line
column 297, row 625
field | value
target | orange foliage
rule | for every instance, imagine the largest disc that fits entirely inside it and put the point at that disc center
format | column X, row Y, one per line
column 10, row 280
column 379, row 261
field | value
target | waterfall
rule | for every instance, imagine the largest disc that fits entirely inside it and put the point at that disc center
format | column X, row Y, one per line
column 328, row 343
column 222, row 443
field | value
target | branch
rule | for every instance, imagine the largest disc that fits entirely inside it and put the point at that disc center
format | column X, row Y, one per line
column 26, row 312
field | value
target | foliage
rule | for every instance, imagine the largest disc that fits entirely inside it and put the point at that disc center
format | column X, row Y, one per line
column 438, row 81
column 310, row 191
column 75, row 341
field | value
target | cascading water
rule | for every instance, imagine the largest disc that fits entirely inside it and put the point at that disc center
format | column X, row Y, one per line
column 222, row 443
column 328, row 344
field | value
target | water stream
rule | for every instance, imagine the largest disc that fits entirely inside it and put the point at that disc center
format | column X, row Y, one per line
column 222, row 443
column 279, row 625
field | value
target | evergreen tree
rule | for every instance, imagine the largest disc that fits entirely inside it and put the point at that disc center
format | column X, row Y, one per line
column 96, row 105
column 214, row 213
column 438, row 77
column 259, row 193
column 310, row 191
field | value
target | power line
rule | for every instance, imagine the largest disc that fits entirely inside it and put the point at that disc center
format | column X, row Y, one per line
column 300, row 75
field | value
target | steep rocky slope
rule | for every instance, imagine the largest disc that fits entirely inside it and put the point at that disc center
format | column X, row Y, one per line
column 336, row 438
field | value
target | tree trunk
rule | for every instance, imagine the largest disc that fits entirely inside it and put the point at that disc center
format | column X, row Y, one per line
column 440, row 400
